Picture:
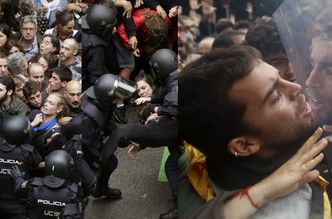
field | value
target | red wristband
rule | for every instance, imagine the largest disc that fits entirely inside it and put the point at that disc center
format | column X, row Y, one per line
column 245, row 192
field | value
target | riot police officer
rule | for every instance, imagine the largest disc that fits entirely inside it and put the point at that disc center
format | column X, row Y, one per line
column 52, row 196
column 162, row 128
column 97, row 46
column 97, row 123
column 15, row 131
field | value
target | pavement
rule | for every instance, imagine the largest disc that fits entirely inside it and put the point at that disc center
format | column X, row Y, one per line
column 143, row 196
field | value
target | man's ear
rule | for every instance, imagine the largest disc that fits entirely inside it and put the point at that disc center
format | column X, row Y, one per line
column 244, row 146
column 63, row 84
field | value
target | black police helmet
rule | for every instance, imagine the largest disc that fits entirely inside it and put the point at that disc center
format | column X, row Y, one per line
column 58, row 166
column 99, row 18
column 162, row 63
column 109, row 87
column 16, row 130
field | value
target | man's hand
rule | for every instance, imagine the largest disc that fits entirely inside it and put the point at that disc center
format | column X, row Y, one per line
column 134, row 148
column 133, row 42
column 128, row 9
column 136, row 53
column 150, row 118
column 173, row 12
column 161, row 12
column 138, row 3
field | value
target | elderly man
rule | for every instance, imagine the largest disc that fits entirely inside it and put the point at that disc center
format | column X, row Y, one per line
column 29, row 39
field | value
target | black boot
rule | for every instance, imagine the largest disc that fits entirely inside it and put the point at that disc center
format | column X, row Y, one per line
column 107, row 192
column 171, row 214
column 102, row 189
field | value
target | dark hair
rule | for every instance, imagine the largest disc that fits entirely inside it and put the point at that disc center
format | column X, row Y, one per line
column 55, row 42
column 30, row 87
column 241, row 24
column 4, row 28
column 8, row 82
column 147, row 78
column 208, row 117
column 64, row 17
column 157, row 33
column 223, row 24
column 63, row 72
column 11, row 43
column 225, row 39
column 257, row 37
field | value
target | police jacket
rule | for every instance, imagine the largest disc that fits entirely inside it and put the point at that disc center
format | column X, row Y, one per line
column 96, row 123
column 169, row 106
column 81, row 174
column 99, row 57
column 25, row 156
column 44, row 202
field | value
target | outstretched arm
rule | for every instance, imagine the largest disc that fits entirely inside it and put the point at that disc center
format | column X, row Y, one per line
column 288, row 178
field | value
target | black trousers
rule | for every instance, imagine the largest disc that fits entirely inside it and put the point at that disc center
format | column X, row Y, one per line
column 160, row 132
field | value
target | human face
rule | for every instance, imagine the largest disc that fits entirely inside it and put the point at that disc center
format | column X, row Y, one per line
column 67, row 51
column 24, row 70
column 28, row 31
column 37, row 75
column 13, row 50
column 3, row 39
column 144, row 89
column 275, row 108
column 35, row 100
column 43, row 63
column 46, row 46
column 68, row 29
column 50, row 107
column 19, row 92
column 319, row 82
column 3, row 66
column 55, row 82
column 3, row 93
column 73, row 96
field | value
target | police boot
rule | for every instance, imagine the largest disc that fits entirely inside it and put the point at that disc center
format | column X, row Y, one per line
column 102, row 189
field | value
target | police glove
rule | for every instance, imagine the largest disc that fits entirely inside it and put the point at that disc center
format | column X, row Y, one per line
column 147, row 110
column 16, row 172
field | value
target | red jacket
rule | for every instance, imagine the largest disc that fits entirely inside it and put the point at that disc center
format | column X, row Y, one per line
column 141, row 29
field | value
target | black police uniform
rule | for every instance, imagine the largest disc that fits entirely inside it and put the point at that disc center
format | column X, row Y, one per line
column 28, row 157
column 44, row 202
column 162, row 131
column 99, row 57
column 82, row 173
column 97, row 123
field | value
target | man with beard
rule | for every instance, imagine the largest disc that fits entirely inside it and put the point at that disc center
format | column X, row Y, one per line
column 248, row 121
column 68, row 52
column 10, row 104
column 72, row 94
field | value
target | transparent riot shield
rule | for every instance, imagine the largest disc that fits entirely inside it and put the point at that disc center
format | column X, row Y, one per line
column 305, row 28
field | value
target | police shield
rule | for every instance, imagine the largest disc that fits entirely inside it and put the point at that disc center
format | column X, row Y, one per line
column 305, row 28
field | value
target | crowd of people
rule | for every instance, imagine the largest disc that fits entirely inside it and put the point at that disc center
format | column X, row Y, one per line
column 68, row 72
column 247, row 144
column 261, row 89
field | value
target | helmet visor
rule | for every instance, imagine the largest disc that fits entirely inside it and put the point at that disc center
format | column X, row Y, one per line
column 123, row 88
